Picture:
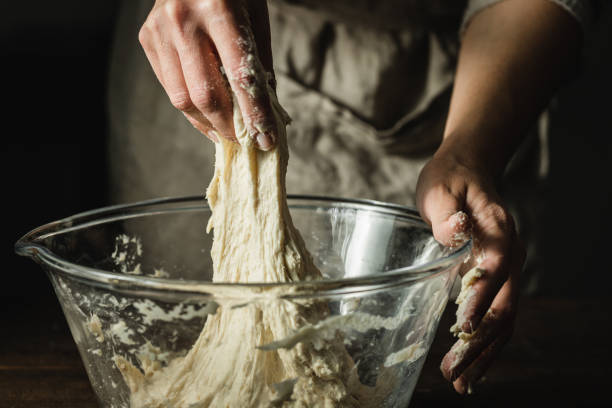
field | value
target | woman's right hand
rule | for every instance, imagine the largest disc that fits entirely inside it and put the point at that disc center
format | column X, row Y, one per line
column 202, row 51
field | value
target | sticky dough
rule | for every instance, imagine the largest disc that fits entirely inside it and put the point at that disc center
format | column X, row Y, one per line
column 254, row 241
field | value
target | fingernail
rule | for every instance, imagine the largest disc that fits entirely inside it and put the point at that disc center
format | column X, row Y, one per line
column 265, row 141
column 462, row 386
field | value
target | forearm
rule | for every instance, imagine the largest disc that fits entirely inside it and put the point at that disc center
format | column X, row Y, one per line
column 514, row 55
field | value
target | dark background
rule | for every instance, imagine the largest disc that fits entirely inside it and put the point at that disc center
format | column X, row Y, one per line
column 54, row 61
column 54, row 70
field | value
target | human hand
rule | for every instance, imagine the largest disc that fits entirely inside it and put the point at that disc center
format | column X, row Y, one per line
column 459, row 199
column 192, row 43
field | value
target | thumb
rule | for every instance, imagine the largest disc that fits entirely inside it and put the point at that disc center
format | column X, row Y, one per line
column 444, row 212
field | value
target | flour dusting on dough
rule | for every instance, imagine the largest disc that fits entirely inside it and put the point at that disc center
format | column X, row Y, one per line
column 95, row 327
column 466, row 294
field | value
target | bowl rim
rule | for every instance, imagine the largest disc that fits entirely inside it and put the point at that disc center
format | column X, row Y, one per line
column 27, row 246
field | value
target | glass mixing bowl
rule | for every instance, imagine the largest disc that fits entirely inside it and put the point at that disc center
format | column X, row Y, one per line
column 134, row 282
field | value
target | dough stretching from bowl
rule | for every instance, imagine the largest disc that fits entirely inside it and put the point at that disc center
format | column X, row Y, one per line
column 254, row 241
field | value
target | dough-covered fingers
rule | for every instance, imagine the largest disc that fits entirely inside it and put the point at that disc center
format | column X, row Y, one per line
column 468, row 348
column 236, row 45
column 498, row 322
column 472, row 374
column 188, row 41
column 460, row 202
column 499, row 254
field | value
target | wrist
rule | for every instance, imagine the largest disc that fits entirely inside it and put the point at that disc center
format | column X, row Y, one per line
column 480, row 151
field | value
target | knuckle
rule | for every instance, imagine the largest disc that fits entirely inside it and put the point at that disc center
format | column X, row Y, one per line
column 500, row 217
column 143, row 36
column 437, row 192
column 181, row 101
column 205, row 100
column 176, row 11
column 504, row 314
column 444, row 191
column 445, row 367
column 499, row 213
column 211, row 7
column 150, row 30
column 498, row 262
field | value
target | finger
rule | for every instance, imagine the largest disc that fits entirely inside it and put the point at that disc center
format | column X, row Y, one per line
column 145, row 36
column 235, row 43
column 176, row 89
column 503, row 256
column 202, row 124
column 466, row 349
column 207, row 88
column 443, row 211
column 173, row 81
column 498, row 319
column 470, row 376
column 154, row 44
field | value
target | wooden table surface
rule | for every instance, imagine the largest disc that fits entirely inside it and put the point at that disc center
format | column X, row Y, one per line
column 560, row 355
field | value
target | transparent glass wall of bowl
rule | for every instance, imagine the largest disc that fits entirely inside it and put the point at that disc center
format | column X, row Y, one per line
column 386, row 326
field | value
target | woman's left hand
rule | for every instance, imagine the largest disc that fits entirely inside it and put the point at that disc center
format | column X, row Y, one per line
column 459, row 199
